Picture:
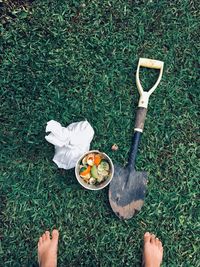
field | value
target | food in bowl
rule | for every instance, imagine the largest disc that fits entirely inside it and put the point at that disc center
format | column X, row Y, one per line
column 94, row 168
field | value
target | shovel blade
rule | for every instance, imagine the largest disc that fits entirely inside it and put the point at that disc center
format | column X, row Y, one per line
column 127, row 191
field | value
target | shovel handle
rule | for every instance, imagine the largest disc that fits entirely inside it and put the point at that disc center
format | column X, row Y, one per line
column 142, row 106
column 140, row 119
column 138, row 129
column 152, row 64
column 134, row 149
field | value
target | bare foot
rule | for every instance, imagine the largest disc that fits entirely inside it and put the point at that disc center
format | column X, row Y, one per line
column 47, row 249
column 153, row 251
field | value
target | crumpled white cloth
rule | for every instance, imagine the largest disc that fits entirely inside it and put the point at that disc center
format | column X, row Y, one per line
column 70, row 142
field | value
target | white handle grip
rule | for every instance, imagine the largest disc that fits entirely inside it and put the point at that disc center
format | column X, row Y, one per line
column 153, row 64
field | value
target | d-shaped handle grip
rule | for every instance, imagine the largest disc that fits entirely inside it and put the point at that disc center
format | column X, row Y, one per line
column 150, row 63
column 153, row 64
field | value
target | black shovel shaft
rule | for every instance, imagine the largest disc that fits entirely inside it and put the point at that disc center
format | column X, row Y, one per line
column 139, row 125
column 134, row 149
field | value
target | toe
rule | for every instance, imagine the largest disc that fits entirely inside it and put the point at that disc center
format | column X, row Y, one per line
column 55, row 235
column 43, row 237
column 153, row 238
column 147, row 237
column 40, row 241
column 47, row 235
column 160, row 245
column 157, row 241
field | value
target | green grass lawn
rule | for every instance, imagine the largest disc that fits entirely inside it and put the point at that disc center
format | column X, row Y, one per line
column 76, row 60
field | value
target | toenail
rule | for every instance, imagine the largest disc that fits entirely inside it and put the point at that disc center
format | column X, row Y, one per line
column 55, row 233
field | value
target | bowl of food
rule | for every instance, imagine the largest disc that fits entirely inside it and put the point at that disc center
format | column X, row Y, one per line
column 94, row 170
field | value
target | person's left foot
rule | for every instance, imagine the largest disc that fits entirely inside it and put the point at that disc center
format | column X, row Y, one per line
column 47, row 249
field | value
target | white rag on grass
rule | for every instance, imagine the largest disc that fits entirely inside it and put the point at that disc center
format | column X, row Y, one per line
column 70, row 142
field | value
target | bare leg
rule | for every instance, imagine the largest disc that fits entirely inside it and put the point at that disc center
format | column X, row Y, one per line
column 153, row 251
column 47, row 249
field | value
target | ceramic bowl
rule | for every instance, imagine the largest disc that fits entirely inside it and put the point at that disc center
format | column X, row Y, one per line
column 91, row 186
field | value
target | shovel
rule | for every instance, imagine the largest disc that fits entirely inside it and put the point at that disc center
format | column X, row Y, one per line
column 128, row 187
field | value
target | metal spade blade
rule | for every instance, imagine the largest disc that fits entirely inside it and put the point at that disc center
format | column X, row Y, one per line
column 127, row 191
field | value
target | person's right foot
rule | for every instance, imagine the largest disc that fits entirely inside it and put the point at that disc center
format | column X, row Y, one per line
column 153, row 251
column 47, row 249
